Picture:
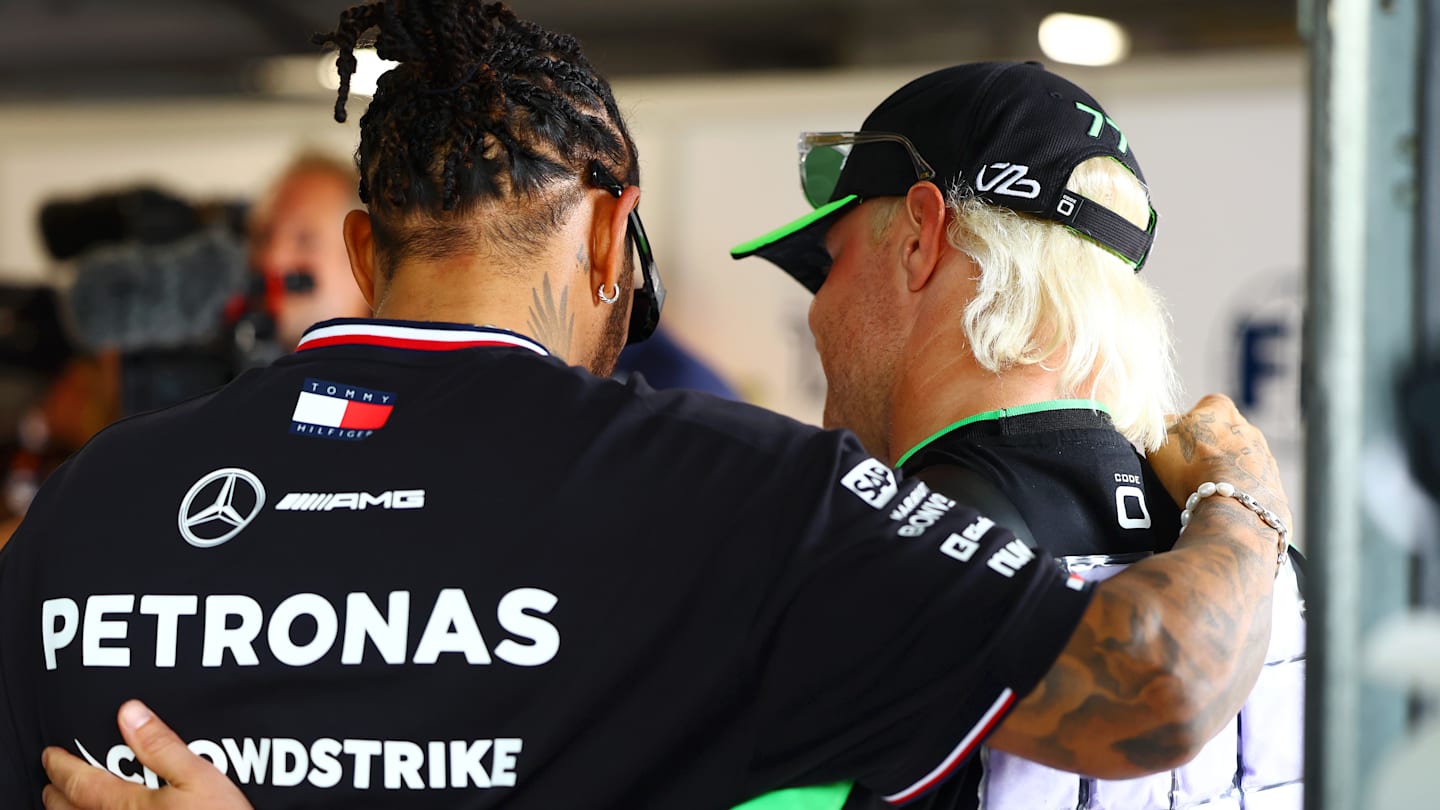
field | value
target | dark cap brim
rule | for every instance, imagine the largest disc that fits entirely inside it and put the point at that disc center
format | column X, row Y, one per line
column 798, row 247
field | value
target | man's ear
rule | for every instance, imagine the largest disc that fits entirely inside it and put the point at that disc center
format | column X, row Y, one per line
column 925, row 241
column 360, row 244
column 608, row 241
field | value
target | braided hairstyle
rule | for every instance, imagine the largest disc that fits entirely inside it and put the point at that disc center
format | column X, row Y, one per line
column 483, row 107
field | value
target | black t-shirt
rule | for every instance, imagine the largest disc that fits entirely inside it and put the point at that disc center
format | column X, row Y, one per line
column 426, row 565
column 1081, row 488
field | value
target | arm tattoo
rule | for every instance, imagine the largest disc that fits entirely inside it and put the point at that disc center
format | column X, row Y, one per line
column 550, row 323
column 1194, row 622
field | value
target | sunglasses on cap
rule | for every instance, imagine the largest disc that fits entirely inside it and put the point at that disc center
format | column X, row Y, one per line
column 823, row 156
column 650, row 296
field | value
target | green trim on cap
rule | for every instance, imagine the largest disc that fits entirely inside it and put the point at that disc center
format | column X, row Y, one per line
column 827, row 797
column 789, row 229
column 1001, row 413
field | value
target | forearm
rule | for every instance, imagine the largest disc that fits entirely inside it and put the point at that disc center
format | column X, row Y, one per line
column 1163, row 657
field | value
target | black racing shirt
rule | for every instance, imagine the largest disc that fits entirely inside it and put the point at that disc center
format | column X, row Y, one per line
column 1080, row 486
column 426, row 565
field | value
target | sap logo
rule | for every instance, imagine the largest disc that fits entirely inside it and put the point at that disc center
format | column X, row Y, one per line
column 1014, row 556
column 872, row 482
column 353, row 501
column 1011, row 181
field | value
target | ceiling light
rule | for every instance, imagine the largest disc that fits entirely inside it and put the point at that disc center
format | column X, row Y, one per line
column 368, row 69
column 1080, row 40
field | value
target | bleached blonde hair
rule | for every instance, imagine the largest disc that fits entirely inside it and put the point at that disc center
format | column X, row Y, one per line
column 1044, row 288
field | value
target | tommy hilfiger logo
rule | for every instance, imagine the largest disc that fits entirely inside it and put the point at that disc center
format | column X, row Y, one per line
column 331, row 410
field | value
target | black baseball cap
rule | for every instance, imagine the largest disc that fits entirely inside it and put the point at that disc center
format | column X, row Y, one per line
column 1010, row 133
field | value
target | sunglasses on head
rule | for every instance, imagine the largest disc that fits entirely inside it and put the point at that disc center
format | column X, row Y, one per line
column 650, row 296
column 823, row 156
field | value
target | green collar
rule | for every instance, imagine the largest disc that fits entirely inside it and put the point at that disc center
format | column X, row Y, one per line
column 1034, row 407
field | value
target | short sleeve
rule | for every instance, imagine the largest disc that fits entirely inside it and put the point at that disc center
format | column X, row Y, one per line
column 908, row 627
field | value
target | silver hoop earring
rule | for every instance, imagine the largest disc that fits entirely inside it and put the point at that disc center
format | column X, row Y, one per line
column 612, row 298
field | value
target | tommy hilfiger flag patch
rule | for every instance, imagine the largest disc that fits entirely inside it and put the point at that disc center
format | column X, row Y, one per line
column 331, row 410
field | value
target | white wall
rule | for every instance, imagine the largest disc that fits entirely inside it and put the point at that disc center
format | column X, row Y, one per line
column 1222, row 141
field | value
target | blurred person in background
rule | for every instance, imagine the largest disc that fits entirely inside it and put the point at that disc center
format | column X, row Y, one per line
column 296, row 236
column 990, row 222
column 665, row 363
column 55, row 397
column 714, row 569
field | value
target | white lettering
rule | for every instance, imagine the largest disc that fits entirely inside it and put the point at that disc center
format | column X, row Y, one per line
column 1123, row 495
column 219, row 636
column 363, row 751
column 911, row 501
column 234, row 629
column 544, row 638
column 54, row 638
column 977, row 530
column 367, row 500
column 167, row 611
column 437, row 764
column 959, row 547
column 402, row 762
column 119, row 754
column 354, row 501
column 452, row 610
column 1011, row 558
column 324, row 756
column 502, row 772
column 97, row 629
column 465, row 765
column 285, row 762
column 249, row 758
column 282, row 773
column 934, row 509
column 283, row 646
column 363, row 619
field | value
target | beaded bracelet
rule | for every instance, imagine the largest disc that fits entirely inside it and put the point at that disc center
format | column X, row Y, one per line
column 1229, row 491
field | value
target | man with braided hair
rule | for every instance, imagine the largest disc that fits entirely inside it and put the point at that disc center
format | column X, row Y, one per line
column 430, row 559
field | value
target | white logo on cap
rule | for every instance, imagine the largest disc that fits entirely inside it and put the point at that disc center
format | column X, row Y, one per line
column 1011, row 181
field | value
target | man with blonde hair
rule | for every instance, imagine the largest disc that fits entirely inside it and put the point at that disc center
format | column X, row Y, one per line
column 974, row 255
column 297, row 238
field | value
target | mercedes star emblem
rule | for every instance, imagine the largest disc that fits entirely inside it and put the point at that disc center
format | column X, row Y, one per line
column 219, row 505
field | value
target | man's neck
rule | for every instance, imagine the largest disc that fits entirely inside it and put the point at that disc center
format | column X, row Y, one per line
column 944, row 384
column 533, row 304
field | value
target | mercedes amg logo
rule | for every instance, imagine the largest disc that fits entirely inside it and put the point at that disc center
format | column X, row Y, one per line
column 219, row 505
